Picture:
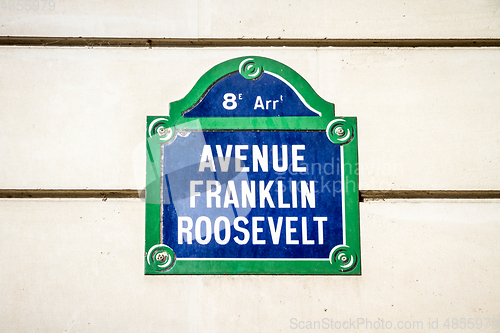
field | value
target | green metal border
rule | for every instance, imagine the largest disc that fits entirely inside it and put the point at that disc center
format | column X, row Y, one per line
column 344, row 259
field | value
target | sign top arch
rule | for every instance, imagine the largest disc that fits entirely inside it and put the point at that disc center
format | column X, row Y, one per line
column 298, row 104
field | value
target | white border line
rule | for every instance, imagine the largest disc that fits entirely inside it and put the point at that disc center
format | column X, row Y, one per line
column 269, row 259
column 295, row 91
column 162, row 181
column 342, row 182
column 254, row 259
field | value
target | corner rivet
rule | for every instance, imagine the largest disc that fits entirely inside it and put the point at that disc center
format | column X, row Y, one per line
column 161, row 257
column 339, row 131
column 162, row 131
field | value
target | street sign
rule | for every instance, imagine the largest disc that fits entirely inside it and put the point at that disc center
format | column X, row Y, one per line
column 252, row 173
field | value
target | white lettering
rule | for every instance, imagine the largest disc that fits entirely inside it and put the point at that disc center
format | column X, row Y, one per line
column 264, row 194
column 229, row 101
column 290, row 230
column 260, row 158
column 258, row 103
column 275, row 231
column 294, row 194
column 239, row 158
column 224, row 160
column 203, row 228
column 207, row 159
column 307, row 194
column 296, row 158
column 256, row 231
column 246, row 234
column 281, row 204
column 208, row 230
column 213, row 194
column 284, row 158
column 231, row 197
column 184, row 230
column 320, row 221
column 193, row 194
column 248, row 194
column 274, row 104
column 217, row 229
column 305, row 241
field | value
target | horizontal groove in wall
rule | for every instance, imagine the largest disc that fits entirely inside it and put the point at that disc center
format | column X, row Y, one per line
column 242, row 42
column 364, row 195
column 70, row 193
column 427, row 194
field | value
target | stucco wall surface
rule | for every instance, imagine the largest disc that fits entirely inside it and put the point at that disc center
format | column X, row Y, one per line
column 254, row 19
column 75, row 266
column 75, row 117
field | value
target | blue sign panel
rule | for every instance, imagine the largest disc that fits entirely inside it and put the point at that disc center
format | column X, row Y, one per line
column 266, row 96
column 252, row 173
column 252, row 195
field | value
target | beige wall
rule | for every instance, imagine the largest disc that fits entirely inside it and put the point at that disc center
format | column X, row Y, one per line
column 421, row 111
column 77, row 265
column 74, row 118
column 258, row 19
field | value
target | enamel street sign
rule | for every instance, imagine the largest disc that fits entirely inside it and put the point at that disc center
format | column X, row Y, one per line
column 252, row 173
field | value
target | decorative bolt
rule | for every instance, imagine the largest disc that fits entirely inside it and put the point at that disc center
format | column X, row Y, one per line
column 162, row 131
column 161, row 257
column 344, row 259
column 339, row 131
